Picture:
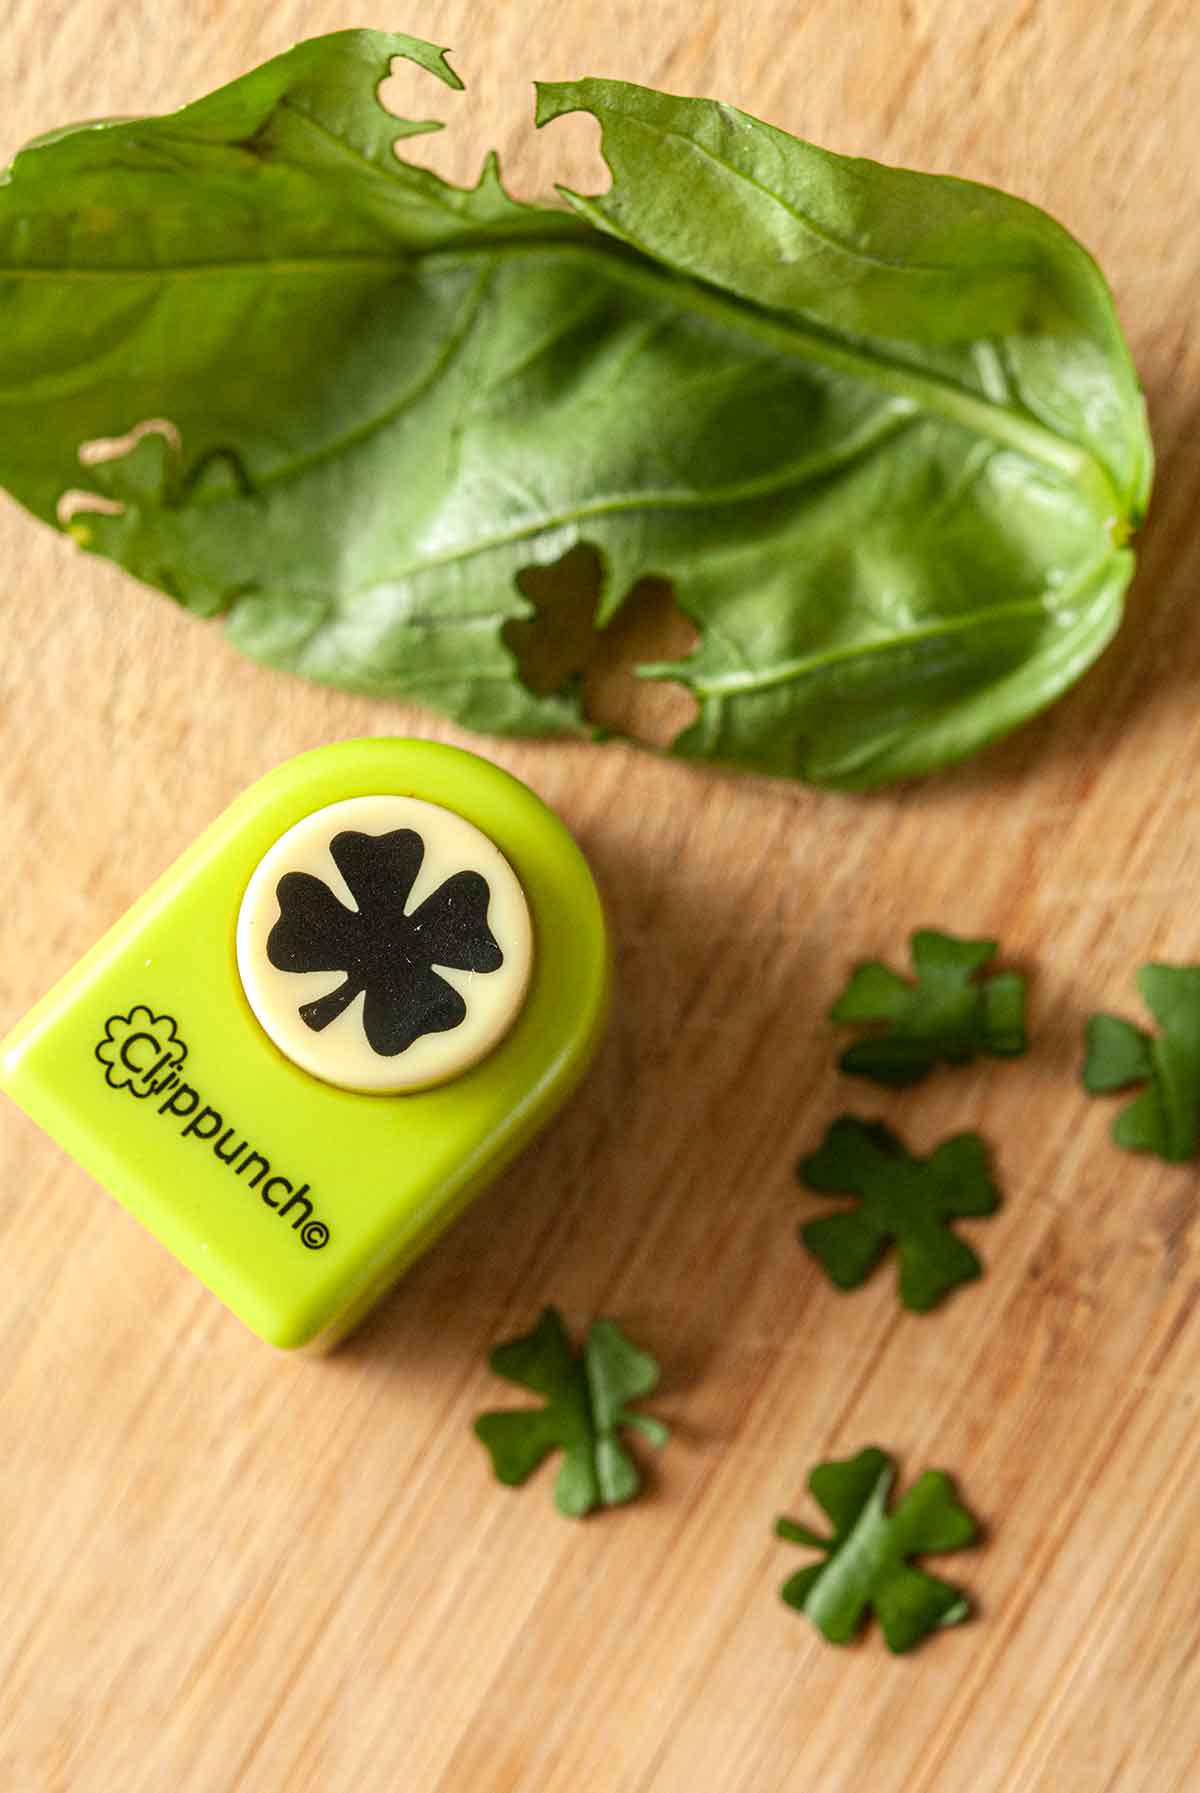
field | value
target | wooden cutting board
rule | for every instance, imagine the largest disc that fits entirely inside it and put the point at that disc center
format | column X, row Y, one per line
column 224, row 1570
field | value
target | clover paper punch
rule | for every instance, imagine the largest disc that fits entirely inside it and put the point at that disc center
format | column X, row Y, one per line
column 330, row 1024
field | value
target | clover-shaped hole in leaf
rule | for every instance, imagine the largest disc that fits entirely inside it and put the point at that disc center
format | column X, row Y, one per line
column 499, row 113
column 388, row 955
column 560, row 647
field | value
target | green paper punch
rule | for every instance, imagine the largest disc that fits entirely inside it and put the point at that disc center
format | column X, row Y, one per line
column 330, row 1024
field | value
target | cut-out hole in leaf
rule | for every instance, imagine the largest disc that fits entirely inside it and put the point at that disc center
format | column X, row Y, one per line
column 560, row 647
column 649, row 626
column 418, row 99
column 500, row 115
column 569, row 157
column 554, row 647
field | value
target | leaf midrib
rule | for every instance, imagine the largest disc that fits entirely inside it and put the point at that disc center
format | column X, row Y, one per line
column 932, row 393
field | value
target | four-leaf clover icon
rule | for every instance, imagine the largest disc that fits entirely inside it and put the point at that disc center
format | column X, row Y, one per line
column 386, row 953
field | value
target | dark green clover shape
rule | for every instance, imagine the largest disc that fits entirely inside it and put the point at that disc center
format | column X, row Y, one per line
column 948, row 1014
column 866, row 1564
column 905, row 1200
column 585, row 1407
column 1165, row 1118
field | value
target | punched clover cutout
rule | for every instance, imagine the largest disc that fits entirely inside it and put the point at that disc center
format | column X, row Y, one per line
column 386, row 953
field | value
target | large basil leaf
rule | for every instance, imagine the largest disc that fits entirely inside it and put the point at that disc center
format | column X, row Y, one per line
column 880, row 428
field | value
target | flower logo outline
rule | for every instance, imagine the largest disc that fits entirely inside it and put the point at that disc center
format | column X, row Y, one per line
column 136, row 1047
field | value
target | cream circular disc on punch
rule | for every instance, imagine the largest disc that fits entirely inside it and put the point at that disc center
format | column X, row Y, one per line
column 384, row 944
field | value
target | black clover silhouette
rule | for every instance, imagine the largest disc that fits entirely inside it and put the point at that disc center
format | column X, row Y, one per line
column 383, row 951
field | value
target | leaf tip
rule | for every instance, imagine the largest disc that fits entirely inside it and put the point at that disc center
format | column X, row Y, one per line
column 444, row 69
column 958, row 1614
column 551, row 100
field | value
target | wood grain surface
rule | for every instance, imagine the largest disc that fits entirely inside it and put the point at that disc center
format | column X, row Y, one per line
column 225, row 1570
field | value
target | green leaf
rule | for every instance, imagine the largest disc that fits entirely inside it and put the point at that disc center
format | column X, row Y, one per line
column 586, row 1398
column 902, row 1200
column 880, row 428
column 948, row 1014
column 1165, row 1117
column 867, row 1559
